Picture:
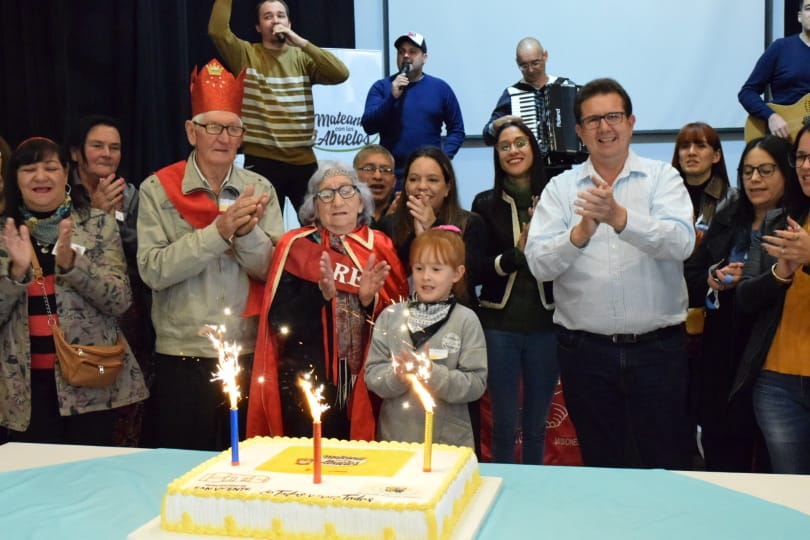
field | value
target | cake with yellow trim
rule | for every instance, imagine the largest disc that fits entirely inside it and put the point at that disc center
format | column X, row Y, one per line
column 369, row 490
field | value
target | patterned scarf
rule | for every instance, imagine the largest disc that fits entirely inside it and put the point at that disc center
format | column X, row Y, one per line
column 350, row 321
column 425, row 319
column 46, row 229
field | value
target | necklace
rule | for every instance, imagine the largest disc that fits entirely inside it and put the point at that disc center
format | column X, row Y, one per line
column 43, row 247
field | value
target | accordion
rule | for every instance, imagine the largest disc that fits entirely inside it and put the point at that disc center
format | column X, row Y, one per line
column 550, row 116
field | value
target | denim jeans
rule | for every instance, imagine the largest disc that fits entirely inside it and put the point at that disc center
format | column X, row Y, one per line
column 782, row 407
column 512, row 357
column 628, row 401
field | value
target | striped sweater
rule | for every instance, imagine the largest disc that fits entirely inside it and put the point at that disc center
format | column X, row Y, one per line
column 277, row 107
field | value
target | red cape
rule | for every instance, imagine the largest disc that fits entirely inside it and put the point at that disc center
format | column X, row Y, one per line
column 298, row 255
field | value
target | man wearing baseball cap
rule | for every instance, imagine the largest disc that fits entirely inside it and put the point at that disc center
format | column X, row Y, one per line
column 409, row 108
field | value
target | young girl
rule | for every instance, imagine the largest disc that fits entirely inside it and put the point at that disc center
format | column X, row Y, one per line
column 431, row 325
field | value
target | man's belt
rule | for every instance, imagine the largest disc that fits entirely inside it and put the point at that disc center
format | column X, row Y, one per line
column 625, row 339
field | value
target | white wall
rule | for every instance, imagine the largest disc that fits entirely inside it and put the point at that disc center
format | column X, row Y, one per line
column 473, row 163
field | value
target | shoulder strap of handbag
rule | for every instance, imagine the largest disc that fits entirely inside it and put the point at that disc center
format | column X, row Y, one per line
column 39, row 277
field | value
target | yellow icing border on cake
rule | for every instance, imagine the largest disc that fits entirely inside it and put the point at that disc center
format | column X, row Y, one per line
column 233, row 529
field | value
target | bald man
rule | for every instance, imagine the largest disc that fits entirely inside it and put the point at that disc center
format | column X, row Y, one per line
column 531, row 59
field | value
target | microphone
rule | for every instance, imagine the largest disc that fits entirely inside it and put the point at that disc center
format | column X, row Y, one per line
column 406, row 67
column 281, row 37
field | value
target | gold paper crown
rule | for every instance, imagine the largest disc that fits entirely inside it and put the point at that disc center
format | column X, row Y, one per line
column 214, row 88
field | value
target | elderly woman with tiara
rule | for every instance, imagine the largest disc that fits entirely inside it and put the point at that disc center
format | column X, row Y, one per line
column 316, row 318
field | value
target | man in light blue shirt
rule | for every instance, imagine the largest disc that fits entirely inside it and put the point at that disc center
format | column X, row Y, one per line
column 612, row 234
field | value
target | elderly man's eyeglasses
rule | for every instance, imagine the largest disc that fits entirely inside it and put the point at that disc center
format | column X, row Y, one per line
column 612, row 118
column 534, row 64
column 216, row 129
column 371, row 168
column 328, row 195
column 798, row 160
column 764, row 170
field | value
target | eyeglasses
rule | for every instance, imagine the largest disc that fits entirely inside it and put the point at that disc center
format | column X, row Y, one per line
column 346, row 191
column 518, row 143
column 764, row 170
column 371, row 168
column 612, row 118
column 533, row 64
column 216, row 129
column 798, row 160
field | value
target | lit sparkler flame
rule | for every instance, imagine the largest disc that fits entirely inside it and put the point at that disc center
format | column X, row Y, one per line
column 417, row 367
column 228, row 364
column 314, row 396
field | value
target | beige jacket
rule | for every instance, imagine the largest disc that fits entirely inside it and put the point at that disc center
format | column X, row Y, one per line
column 195, row 276
column 88, row 299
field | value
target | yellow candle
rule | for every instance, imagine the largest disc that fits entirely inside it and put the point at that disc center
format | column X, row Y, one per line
column 426, row 465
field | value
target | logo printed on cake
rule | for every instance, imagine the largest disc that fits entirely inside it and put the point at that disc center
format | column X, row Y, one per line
column 344, row 461
column 452, row 342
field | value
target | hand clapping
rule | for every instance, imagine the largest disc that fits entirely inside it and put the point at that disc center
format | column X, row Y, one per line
column 240, row 217
column 790, row 246
column 372, row 279
column 18, row 247
column 422, row 214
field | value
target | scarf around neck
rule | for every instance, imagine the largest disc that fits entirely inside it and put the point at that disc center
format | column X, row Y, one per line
column 46, row 228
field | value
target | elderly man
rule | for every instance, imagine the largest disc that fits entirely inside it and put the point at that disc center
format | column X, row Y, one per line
column 375, row 168
column 526, row 101
column 408, row 109
column 279, row 111
column 612, row 234
column 205, row 236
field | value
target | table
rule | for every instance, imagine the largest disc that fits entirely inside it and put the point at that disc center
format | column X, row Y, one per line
column 77, row 493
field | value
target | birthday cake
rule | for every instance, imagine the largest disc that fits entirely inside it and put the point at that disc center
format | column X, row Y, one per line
column 368, row 491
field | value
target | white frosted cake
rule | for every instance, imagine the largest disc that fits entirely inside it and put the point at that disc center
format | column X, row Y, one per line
column 368, row 491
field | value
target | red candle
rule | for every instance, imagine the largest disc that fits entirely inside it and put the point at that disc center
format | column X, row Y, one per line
column 316, row 442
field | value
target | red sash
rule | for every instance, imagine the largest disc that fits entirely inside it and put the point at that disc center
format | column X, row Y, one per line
column 200, row 210
column 298, row 255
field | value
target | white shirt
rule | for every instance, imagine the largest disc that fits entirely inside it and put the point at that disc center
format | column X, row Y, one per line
column 627, row 283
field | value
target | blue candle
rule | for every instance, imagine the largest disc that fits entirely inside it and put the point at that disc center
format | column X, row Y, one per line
column 234, row 436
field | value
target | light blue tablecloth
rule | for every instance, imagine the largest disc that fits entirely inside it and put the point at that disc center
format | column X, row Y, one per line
column 107, row 498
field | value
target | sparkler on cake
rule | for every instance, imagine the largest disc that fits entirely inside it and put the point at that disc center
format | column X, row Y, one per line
column 227, row 370
column 316, row 408
column 416, row 366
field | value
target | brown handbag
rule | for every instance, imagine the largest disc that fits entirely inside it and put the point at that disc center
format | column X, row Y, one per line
column 95, row 366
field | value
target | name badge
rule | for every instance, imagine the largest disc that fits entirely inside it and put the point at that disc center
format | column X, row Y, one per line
column 437, row 354
column 75, row 247
column 224, row 204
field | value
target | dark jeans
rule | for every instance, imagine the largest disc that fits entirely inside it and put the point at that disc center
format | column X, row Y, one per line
column 627, row 400
column 48, row 426
column 288, row 180
column 782, row 406
column 189, row 410
column 513, row 358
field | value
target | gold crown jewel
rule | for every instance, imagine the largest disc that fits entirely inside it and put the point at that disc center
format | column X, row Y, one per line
column 214, row 88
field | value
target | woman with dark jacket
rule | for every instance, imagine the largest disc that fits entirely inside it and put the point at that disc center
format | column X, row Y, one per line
column 429, row 199
column 515, row 309
column 729, row 435
column 775, row 291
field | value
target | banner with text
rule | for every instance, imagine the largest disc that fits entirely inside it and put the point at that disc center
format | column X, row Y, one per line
column 339, row 108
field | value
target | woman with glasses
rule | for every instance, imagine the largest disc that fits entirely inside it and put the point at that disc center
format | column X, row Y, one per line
column 516, row 310
column 729, row 437
column 775, row 291
column 328, row 281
